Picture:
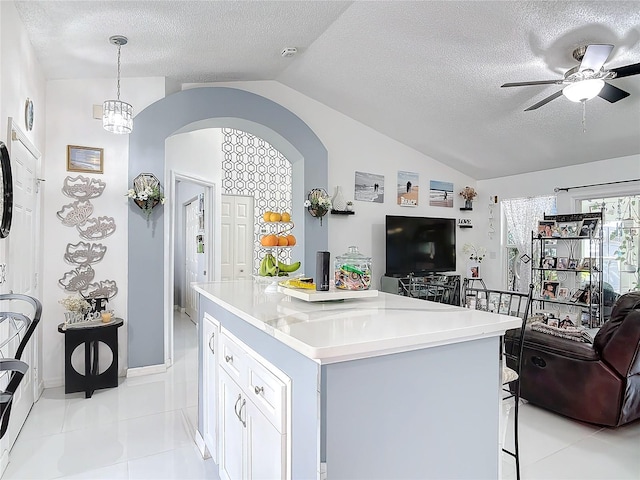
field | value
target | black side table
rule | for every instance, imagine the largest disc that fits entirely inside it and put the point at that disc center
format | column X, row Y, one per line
column 90, row 333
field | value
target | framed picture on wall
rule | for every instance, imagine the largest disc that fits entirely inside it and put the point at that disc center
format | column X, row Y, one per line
column 85, row 159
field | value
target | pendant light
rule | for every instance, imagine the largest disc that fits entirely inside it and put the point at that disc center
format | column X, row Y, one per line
column 117, row 116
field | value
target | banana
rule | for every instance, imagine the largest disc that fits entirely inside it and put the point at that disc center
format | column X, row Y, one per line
column 288, row 268
column 271, row 265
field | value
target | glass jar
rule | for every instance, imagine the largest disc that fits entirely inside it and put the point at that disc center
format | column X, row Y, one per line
column 352, row 270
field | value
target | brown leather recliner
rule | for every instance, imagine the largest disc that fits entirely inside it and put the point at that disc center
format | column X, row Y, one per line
column 597, row 383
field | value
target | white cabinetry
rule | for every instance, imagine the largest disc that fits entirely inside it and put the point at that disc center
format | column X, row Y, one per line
column 210, row 335
column 253, row 415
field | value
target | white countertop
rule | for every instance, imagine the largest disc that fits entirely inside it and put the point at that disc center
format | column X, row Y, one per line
column 330, row 332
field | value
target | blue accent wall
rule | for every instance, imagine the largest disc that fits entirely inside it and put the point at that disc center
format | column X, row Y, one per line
column 146, row 245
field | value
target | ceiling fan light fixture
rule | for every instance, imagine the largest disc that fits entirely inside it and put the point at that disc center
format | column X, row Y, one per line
column 117, row 116
column 583, row 90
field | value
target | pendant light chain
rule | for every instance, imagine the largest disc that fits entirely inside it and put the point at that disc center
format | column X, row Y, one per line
column 118, row 92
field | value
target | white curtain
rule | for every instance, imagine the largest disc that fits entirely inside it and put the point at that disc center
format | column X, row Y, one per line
column 522, row 215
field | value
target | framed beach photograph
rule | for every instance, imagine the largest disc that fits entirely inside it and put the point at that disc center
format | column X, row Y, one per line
column 440, row 194
column 407, row 189
column 369, row 187
column 85, row 159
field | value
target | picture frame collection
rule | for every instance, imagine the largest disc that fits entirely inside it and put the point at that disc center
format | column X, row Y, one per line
column 565, row 263
column 587, row 227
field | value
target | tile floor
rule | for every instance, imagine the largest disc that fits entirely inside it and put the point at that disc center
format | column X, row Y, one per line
column 144, row 430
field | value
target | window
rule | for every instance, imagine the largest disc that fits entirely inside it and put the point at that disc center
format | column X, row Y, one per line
column 621, row 246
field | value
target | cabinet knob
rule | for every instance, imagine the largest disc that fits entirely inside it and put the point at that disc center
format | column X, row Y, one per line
column 228, row 358
column 258, row 390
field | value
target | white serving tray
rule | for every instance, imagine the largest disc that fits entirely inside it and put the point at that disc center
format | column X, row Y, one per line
column 332, row 294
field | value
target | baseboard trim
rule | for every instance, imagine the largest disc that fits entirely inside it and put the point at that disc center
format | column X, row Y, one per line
column 204, row 451
column 54, row 382
column 148, row 370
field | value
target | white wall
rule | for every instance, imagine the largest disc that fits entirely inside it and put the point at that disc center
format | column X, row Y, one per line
column 353, row 147
column 20, row 78
column 543, row 183
column 70, row 122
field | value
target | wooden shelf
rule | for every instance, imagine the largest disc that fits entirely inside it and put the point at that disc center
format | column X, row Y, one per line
column 342, row 212
column 466, row 208
column 465, row 226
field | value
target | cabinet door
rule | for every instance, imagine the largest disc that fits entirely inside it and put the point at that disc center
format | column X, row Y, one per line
column 266, row 447
column 210, row 334
column 231, row 429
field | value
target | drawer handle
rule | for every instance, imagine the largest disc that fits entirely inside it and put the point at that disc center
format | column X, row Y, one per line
column 244, row 422
column 211, row 340
column 228, row 358
column 258, row 390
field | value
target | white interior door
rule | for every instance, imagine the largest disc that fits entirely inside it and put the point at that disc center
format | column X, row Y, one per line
column 237, row 223
column 23, row 268
column 191, row 216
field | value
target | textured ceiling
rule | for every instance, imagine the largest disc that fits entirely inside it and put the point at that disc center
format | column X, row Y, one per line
column 427, row 74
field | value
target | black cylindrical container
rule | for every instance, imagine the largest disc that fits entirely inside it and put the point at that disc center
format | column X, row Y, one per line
column 322, row 271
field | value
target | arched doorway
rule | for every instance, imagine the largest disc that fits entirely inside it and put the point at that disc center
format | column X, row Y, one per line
column 147, row 242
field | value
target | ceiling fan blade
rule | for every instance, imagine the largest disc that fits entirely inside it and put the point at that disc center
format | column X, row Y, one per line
column 612, row 94
column 595, row 56
column 536, row 82
column 545, row 101
column 627, row 70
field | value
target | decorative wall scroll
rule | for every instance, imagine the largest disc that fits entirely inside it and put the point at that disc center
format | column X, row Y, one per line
column 83, row 188
column 104, row 288
column 77, row 279
column 75, row 213
column 97, row 228
column 84, row 253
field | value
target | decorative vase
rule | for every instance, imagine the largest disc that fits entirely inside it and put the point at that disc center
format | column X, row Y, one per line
column 338, row 202
column 468, row 204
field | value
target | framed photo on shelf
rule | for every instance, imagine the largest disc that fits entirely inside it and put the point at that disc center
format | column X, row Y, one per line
column 548, row 262
column 563, row 293
column 573, row 264
column 586, row 296
column 585, row 264
column 545, row 228
column 549, row 290
column 562, row 263
column 589, row 227
column 576, row 295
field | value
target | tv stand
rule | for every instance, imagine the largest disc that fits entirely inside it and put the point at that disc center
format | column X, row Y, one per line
column 432, row 287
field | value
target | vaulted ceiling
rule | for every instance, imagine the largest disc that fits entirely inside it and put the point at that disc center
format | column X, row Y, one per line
column 426, row 73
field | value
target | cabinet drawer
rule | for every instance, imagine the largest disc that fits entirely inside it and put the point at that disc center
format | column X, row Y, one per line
column 233, row 359
column 268, row 393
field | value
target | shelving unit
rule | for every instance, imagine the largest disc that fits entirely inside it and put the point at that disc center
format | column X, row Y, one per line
column 582, row 282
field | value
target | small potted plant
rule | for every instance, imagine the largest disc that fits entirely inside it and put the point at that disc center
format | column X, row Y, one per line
column 146, row 193
column 468, row 193
column 318, row 203
column 349, row 206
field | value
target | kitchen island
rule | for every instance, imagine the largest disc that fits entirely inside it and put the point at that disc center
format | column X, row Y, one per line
column 387, row 387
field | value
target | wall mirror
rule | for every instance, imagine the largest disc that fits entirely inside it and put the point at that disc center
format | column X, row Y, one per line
column 6, row 191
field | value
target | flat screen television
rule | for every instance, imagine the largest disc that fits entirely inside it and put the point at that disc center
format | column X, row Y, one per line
column 419, row 245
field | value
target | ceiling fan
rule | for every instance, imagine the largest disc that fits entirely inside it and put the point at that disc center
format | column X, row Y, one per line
column 587, row 80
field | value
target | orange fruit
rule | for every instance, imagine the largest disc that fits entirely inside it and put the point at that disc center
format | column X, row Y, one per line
column 282, row 241
column 275, row 217
column 291, row 240
column 286, row 217
column 269, row 241
column 266, row 216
